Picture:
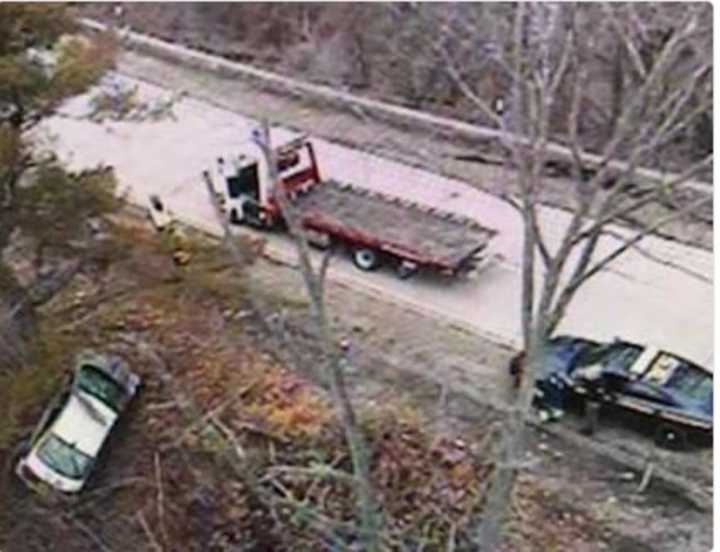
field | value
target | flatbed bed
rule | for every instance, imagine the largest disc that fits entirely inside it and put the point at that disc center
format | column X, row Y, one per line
column 394, row 226
column 374, row 227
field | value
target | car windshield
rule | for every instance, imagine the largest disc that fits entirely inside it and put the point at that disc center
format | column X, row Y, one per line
column 64, row 458
column 99, row 385
column 680, row 376
column 614, row 356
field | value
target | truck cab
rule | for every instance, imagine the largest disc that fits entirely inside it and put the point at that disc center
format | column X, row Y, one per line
column 245, row 181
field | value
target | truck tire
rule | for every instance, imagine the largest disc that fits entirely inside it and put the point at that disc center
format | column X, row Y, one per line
column 234, row 218
column 366, row 258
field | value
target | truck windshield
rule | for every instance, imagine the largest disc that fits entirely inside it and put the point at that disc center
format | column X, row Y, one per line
column 99, row 385
column 64, row 458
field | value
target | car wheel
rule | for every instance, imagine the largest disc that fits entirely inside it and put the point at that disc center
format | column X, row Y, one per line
column 366, row 258
column 234, row 217
column 671, row 437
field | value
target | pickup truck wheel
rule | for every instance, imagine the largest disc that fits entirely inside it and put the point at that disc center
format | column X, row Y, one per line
column 366, row 258
column 234, row 218
column 671, row 437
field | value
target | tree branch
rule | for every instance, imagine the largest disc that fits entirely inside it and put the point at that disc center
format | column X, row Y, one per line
column 582, row 276
column 358, row 448
column 624, row 37
column 652, row 196
column 538, row 237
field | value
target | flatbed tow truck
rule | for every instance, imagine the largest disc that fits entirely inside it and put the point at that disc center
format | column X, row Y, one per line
column 375, row 228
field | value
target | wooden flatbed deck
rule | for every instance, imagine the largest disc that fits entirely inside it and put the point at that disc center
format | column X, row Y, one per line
column 393, row 224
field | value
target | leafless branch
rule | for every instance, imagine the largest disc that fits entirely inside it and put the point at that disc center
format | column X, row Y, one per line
column 599, row 265
column 565, row 56
column 539, row 239
column 148, row 532
column 466, row 89
column 645, row 253
column 230, row 437
column 324, row 267
column 624, row 36
column 202, row 420
column 321, row 471
column 450, row 547
column 160, row 499
column 653, row 194
column 91, row 497
column 585, row 271
column 356, row 442
column 97, row 541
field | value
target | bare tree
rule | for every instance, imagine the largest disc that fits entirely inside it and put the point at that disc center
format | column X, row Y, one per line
column 314, row 280
column 546, row 58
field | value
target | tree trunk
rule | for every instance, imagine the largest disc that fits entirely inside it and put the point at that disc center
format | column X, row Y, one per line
column 511, row 457
column 617, row 92
column 314, row 285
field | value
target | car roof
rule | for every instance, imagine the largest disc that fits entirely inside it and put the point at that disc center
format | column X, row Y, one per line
column 84, row 422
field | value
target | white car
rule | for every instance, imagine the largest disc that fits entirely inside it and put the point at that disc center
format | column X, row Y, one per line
column 71, row 433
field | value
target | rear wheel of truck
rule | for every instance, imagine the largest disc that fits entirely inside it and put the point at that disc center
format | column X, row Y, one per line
column 366, row 258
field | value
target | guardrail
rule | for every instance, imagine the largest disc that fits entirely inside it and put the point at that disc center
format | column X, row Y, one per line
column 393, row 114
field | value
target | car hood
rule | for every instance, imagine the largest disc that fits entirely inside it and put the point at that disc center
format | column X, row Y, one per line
column 84, row 422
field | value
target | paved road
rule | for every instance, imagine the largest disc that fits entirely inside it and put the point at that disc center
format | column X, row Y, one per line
column 639, row 298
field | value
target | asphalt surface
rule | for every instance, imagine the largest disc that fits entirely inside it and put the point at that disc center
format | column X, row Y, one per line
column 662, row 294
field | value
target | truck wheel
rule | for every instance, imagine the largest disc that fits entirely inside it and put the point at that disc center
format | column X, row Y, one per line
column 366, row 258
column 671, row 437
